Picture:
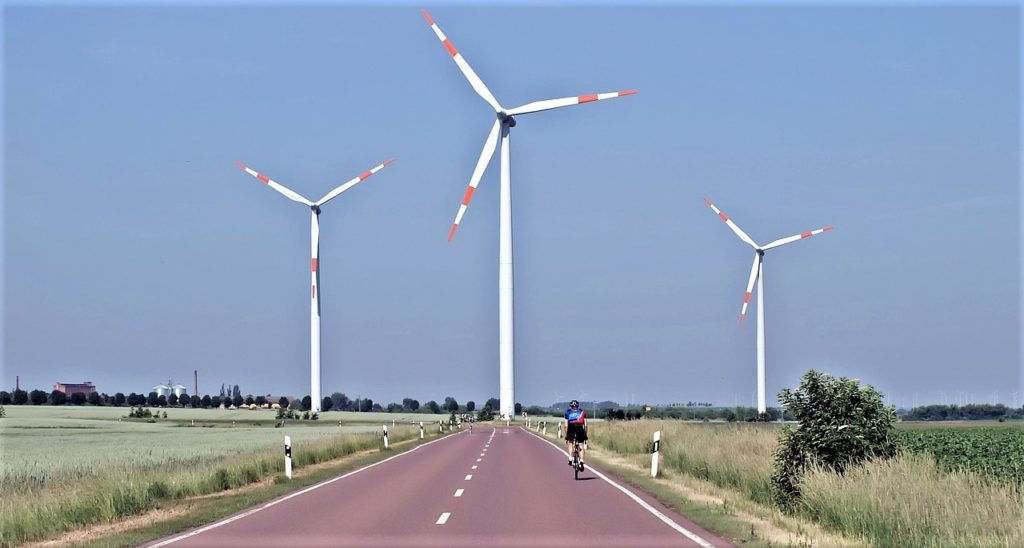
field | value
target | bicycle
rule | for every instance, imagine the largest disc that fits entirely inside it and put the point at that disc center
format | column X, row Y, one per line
column 577, row 464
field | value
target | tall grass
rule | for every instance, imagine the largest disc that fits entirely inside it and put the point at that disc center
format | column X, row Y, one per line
column 33, row 514
column 735, row 456
column 912, row 501
column 907, row 501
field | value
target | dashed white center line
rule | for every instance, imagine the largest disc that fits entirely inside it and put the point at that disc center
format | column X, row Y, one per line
column 458, row 492
column 478, row 460
column 474, row 467
column 469, row 477
column 444, row 518
column 481, row 454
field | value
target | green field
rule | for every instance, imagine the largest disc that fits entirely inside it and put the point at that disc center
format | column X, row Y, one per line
column 63, row 467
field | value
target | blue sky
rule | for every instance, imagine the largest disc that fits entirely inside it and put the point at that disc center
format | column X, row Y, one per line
column 134, row 250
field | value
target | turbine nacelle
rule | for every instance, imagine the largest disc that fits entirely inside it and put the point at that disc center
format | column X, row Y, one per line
column 505, row 118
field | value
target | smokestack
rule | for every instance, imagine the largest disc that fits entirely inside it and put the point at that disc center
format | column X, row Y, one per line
column 195, row 372
column 17, row 382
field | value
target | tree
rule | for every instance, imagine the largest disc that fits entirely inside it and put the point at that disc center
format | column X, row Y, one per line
column 19, row 397
column 58, row 398
column 237, row 400
column 326, row 404
column 450, row 404
column 5, row 397
column 485, row 414
column 172, row 400
column 470, row 406
column 410, row 404
column 94, row 398
column 841, row 424
column 394, row 407
column 37, row 397
column 494, row 403
column 517, row 409
column 307, row 403
column 206, row 402
column 152, row 399
column 78, row 398
column 261, row 401
column 195, row 401
column 340, row 401
column 249, row 400
column 119, row 399
column 236, row 392
column 283, row 402
column 432, row 407
column 161, row 400
column 216, row 401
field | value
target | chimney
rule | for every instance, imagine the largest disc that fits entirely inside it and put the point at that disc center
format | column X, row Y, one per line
column 195, row 373
column 17, row 382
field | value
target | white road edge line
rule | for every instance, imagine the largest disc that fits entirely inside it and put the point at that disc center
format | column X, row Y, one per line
column 667, row 520
column 459, row 492
column 286, row 497
column 444, row 517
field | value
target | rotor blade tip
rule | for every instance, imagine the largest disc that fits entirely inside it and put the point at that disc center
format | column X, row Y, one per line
column 240, row 165
column 389, row 161
column 427, row 17
column 827, row 228
column 627, row 92
column 742, row 317
column 706, row 201
column 451, row 234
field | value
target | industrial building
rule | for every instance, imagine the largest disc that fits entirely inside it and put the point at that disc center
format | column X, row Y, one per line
column 86, row 387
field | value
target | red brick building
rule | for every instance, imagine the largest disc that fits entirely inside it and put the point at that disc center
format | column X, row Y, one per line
column 86, row 388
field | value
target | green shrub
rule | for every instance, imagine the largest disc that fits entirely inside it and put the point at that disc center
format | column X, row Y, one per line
column 841, row 424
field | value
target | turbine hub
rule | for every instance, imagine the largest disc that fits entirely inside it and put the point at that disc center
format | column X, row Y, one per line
column 506, row 119
column 316, row 209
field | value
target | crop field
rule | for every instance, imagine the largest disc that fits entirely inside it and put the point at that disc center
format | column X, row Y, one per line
column 62, row 467
column 992, row 451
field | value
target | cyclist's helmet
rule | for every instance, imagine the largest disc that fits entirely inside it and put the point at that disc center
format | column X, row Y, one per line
column 574, row 404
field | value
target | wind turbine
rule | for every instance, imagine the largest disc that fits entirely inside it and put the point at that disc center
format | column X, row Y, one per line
column 502, row 126
column 757, row 274
column 314, row 303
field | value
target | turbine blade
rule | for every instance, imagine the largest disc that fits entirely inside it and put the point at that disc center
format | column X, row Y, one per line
column 549, row 104
column 801, row 236
column 481, row 165
column 467, row 70
column 314, row 252
column 743, row 235
column 289, row 193
column 352, row 182
column 750, row 285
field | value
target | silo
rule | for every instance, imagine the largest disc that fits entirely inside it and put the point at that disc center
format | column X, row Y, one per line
column 179, row 390
column 162, row 390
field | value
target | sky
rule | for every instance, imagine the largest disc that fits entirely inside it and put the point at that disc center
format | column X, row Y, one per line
column 136, row 252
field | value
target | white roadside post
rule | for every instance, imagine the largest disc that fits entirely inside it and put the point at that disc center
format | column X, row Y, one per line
column 421, row 429
column 385, row 436
column 440, row 426
column 655, row 448
column 545, row 423
column 288, row 457
column 559, row 430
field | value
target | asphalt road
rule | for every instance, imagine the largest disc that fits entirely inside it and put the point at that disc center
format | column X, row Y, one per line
column 495, row 487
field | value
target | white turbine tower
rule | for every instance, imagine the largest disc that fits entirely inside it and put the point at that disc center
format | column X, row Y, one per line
column 757, row 274
column 314, row 246
column 504, row 123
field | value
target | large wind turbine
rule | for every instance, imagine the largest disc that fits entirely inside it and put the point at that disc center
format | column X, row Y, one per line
column 502, row 125
column 314, row 247
column 757, row 274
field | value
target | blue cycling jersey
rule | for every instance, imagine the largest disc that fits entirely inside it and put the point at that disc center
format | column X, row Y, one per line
column 575, row 416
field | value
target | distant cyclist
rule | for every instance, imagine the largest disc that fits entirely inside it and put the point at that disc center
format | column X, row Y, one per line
column 575, row 429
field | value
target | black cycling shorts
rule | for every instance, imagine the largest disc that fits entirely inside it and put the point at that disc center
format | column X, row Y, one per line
column 576, row 431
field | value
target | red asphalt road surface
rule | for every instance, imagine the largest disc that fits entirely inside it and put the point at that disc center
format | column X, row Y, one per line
column 521, row 493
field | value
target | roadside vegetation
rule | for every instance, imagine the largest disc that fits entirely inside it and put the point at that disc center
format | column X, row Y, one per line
column 60, row 474
column 868, row 481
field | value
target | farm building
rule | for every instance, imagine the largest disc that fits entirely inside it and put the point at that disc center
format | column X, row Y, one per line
column 86, row 387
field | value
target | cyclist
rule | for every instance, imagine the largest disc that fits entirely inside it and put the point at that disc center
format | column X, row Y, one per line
column 575, row 429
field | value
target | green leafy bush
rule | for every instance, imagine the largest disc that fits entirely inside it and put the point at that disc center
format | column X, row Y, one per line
column 841, row 424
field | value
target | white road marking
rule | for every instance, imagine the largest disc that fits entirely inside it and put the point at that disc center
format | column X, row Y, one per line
column 293, row 495
column 469, row 477
column 478, row 460
column 481, row 454
column 458, row 492
column 667, row 520
column 444, row 517
column 474, row 467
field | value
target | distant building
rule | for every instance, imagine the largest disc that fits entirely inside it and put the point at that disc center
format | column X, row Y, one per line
column 86, row 388
column 162, row 390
